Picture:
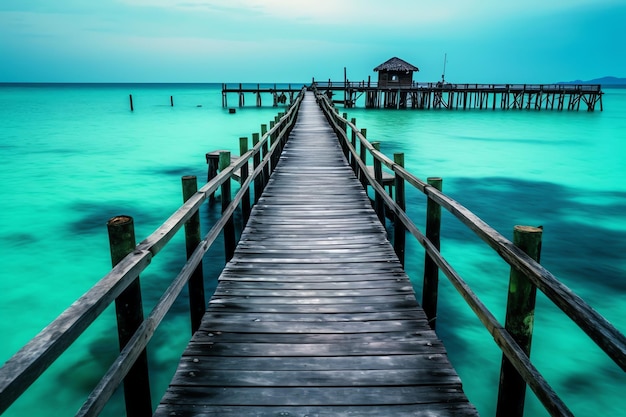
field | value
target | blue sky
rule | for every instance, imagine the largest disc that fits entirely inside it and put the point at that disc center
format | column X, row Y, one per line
column 293, row 40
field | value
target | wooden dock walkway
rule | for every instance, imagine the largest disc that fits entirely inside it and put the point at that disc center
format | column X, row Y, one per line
column 314, row 315
column 571, row 97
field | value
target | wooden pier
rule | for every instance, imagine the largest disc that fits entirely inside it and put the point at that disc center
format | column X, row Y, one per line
column 280, row 95
column 313, row 314
column 428, row 96
column 467, row 96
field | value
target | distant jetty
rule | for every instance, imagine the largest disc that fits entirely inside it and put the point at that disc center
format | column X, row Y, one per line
column 396, row 89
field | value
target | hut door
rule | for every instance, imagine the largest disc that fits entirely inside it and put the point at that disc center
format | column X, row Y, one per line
column 383, row 79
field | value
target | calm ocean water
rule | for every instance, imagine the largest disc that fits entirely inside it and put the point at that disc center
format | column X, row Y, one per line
column 74, row 156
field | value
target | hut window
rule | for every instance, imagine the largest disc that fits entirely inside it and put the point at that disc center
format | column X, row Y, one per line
column 394, row 78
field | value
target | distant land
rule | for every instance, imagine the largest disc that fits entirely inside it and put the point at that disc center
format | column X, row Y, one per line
column 605, row 81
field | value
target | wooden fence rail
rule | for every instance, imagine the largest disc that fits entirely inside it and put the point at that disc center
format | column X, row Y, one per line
column 603, row 333
column 25, row 367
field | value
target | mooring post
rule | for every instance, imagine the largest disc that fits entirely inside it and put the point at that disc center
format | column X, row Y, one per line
column 197, row 300
column 379, row 204
column 245, row 202
column 258, row 180
column 431, row 270
column 129, row 312
column 172, row 101
column 130, row 96
column 399, row 229
column 520, row 314
column 229, row 227
column 363, row 155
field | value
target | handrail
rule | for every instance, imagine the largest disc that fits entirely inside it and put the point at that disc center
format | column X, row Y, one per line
column 25, row 366
column 603, row 333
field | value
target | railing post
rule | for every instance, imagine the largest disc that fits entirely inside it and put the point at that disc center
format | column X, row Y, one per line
column 265, row 151
column 344, row 137
column 129, row 312
column 193, row 237
column 245, row 202
column 379, row 204
column 353, row 141
column 363, row 155
column 272, row 140
column 258, row 180
column 229, row 227
column 520, row 314
column 212, row 160
column 399, row 229
column 431, row 270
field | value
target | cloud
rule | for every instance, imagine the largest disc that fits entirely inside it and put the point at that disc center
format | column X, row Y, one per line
column 364, row 13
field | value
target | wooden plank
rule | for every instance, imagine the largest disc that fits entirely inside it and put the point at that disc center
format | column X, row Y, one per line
column 321, row 396
column 316, row 363
column 198, row 375
column 413, row 410
column 384, row 340
column 314, row 314
column 226, row 305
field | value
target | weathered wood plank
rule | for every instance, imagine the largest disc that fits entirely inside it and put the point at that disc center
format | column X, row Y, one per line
column 294, row 301
column 384, row 340
column 197, row 375
column 353, row 308
column 413, row 410
column 353, row 396
column 317, row 363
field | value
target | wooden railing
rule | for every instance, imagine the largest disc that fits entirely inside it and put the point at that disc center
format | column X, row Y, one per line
column 121, row 284
column 526, row 273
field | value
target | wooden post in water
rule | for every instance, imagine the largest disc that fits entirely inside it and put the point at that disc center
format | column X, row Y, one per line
column 520, row 314
column 130, row 96
column 379, row 204
column 229, row 227
column 399, row 230
column 129, row 312
column 197, row 300
column 172, row 101
column 258, row 180
column 245, row 202
column 363, row 156
column 431, row 271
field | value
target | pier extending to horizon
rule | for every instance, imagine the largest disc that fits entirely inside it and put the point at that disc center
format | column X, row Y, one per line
column 313, row 313
column 571, row 97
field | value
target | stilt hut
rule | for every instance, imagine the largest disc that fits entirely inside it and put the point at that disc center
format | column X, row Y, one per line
column 393, row 75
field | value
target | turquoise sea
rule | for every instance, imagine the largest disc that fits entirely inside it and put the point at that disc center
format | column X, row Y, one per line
column 74, row 155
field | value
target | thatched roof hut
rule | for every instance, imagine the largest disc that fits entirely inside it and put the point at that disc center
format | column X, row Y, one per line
column 395, row 72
